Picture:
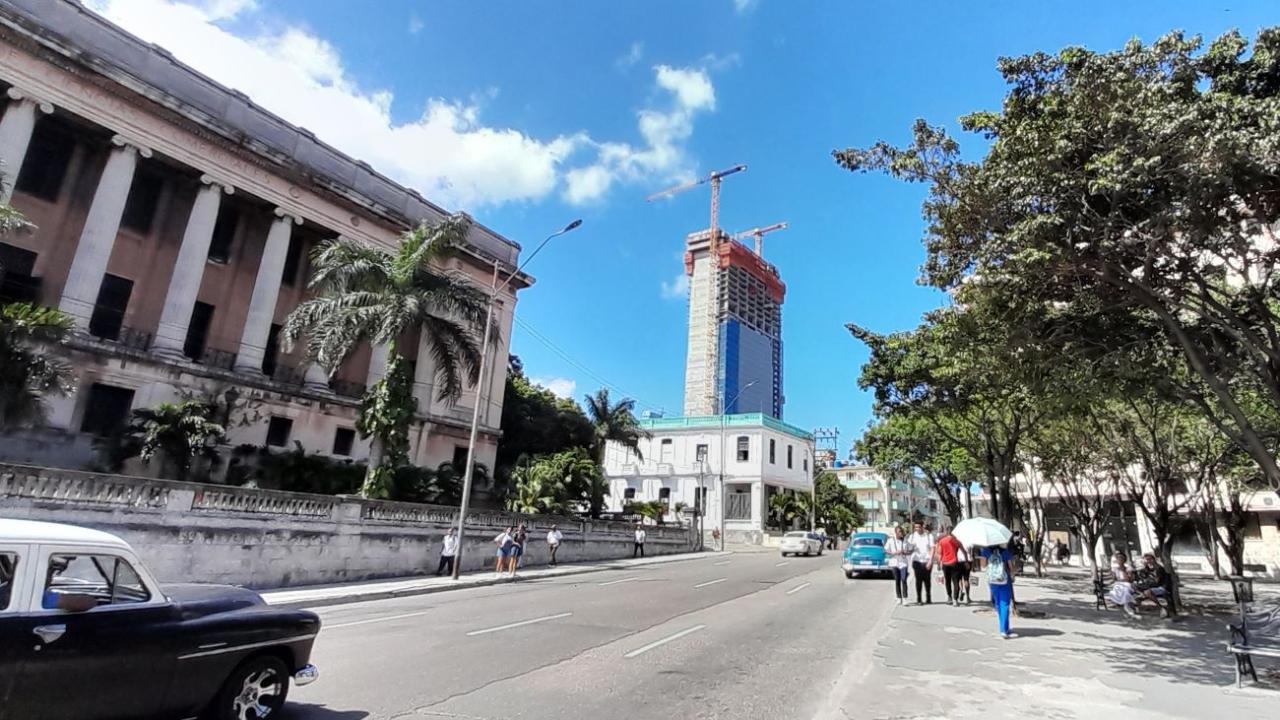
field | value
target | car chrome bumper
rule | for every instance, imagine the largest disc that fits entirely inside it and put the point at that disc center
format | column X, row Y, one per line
column 306, row 675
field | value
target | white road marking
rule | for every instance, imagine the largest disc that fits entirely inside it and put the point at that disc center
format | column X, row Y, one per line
column 709, row 582
column 664, row 641
column 798, row 588
column 784, row 562
column 722, row 562
column 522, row 623
column 380, row 619
column 615, row 582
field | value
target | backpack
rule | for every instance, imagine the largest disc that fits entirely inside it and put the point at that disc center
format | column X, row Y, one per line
column 996, row 572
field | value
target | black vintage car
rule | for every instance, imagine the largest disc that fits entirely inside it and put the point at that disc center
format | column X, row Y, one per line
column 87, row 633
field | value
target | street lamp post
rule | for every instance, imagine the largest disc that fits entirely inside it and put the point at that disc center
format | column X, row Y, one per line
column 494, row 289
column 813, row 491
column 723, row 458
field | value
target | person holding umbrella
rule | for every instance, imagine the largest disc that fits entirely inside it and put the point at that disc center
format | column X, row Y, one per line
column 994, row 543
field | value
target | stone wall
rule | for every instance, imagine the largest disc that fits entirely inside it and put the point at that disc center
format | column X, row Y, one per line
column 191, row 532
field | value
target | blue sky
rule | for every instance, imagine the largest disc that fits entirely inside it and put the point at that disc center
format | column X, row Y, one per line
column 529, row 114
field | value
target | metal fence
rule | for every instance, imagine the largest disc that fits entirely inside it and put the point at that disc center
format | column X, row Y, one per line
column 737, row 506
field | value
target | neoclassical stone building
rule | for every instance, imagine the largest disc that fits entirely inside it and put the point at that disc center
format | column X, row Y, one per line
column 174, row 223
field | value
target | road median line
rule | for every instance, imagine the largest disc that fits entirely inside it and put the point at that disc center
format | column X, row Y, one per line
column 709, row 582
column 798, row 588
column 659, row 643
column 522, row 623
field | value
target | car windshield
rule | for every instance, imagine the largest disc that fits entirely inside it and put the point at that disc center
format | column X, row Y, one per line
column 866, row 541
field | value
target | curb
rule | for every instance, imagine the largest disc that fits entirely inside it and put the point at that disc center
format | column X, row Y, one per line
column 354, row 596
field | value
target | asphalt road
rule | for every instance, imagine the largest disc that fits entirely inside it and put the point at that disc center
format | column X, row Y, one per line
column 749, row 635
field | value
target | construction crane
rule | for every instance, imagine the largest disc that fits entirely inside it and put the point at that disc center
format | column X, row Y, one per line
column 758, row 234
column 714, row 178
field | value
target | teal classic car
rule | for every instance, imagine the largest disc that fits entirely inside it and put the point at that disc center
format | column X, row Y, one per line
column 865, row 554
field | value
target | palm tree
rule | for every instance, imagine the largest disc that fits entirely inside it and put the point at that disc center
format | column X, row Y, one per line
column 177, row 432
column 615, row 423
column 366, row 294
column 27, row 374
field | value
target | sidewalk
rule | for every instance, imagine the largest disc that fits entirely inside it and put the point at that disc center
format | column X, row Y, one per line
column 318, row 595
column 1069, row 660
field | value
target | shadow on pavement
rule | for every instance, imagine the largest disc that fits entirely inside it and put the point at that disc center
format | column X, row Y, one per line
column 307, row 711
column 1030, row 632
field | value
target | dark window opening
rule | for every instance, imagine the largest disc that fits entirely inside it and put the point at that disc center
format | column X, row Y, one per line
column 17, row 284
column 460, row 458
column 144, row 198
column 224, row 233
column 278, row 431
column 700, row 453
column 343, row 440
column 789, row 448
column 45, row 165
column 106, row 410
column 773, row 451
column 108, row 311
column 271, row 354
column 198, row 330
column 629, row 494
column 744, row 453
column 292, row 260
column 664, row 495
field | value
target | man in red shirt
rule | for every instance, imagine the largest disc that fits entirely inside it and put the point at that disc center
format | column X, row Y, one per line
column 948, row 549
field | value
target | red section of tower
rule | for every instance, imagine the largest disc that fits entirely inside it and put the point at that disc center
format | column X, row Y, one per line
column 738, row 255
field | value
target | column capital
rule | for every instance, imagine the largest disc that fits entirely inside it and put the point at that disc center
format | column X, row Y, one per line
column 212, row 181
column 125, row 143
column 287, row 216
column 19, row 95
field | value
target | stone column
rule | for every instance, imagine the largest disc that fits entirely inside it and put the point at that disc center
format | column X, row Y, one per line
column 84, row 279
column 316, row 379
column 188, row 269
column 377, row 365
column 424, row 376
column 266, row 291
column 15, row 135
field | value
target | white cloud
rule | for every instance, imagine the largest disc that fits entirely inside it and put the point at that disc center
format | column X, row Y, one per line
column 745, row 6
column 665, row 131
column 677, row 289
column 447, row 152
column 415, row 25
column 560, row 387
column 633, row 55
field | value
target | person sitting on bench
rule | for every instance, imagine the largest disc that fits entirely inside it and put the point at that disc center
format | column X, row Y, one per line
column 1153, row 581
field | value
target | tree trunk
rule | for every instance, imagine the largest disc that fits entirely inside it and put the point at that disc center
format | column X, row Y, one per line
column 375, row 462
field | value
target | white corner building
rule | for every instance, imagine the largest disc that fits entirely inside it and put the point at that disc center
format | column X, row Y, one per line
column 682, row 460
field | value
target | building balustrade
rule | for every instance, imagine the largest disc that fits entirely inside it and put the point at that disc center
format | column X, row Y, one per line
column 213, row 357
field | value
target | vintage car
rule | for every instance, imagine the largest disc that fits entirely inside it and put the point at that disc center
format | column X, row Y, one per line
column 865, row 554
column 87, row 633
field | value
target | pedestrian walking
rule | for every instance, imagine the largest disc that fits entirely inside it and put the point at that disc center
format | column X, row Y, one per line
column 947, row 555
column 554, row 537
column 922, row 562
column 964, row 559
column 1000, row 571
column 447, row 553
column 638, row 549
column 506, row 542
column 898, row 552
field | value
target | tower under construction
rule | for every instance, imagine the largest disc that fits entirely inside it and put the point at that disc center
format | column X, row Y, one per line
column 735, row 328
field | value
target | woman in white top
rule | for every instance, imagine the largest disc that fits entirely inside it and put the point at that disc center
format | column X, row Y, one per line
column 898, row 553
column 1122, row 589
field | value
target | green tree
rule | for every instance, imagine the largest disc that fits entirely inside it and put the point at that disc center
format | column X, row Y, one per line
column 1127, row 190
column 903, row 445
column 616, row 423
column 786, row 507
column 559, row 484
column 28, row 372
column 366, row 294
column 837, row 510
column 176, row 433
column 536, row 422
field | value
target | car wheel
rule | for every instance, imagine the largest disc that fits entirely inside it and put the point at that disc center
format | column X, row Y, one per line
column 848, row 574
column 255, row 690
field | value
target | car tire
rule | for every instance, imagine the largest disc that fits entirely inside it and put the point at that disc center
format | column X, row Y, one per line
column 848, row 574
column 245, row 685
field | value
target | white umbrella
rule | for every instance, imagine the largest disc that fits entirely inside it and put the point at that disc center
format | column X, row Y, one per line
column 983, row 532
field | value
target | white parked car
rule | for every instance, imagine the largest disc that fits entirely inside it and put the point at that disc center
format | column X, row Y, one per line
column 802, row 543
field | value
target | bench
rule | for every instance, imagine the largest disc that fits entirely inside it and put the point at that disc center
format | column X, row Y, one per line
column 1102, row 599
column 1257, row 634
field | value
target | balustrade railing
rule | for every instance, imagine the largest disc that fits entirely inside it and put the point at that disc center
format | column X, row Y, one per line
column 80, row 488
column 266, row 502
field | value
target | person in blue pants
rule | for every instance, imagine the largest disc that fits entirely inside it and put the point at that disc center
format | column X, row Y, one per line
column 998, row 563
